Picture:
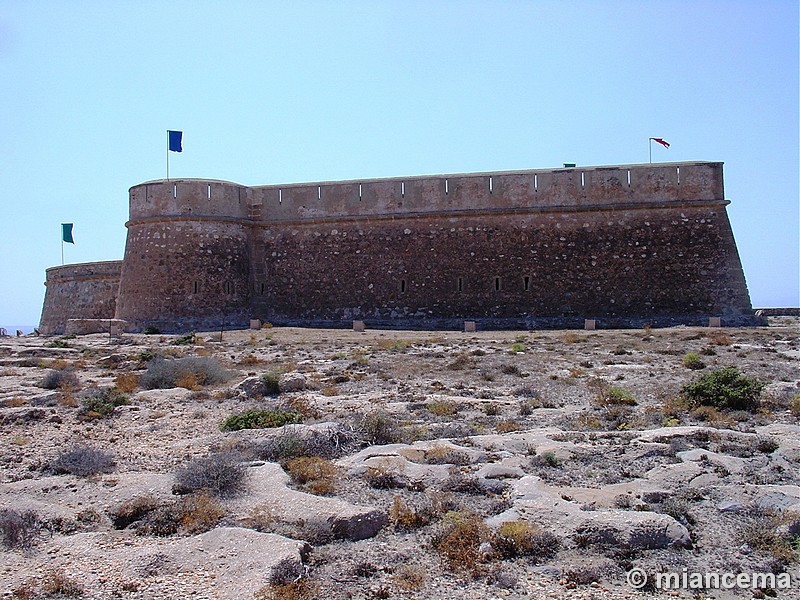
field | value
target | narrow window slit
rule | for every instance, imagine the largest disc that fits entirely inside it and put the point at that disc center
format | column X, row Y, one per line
column 319, row 192
column 402, row 286
column 679, row 175
column 583, row 179
column 629, row 178
column 195, row 287
column 175, row 190
column 460, row 284
column 280, row 196
column 491, row 186
column 402, row 189
column 359, row 191
column 209, row 191
column 446, row 187
column 496, row 284
column 526, row 283
column 535, row 183
column 263, row 288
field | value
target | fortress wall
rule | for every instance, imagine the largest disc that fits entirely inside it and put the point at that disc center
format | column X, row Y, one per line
column 654, row 264
column 81, row 291
column 624, row 244
column 181, row 275
column 567, row 189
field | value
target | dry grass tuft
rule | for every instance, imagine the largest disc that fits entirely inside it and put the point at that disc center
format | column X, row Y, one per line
column 459, row 540
column 313, row 474
column 126, row 382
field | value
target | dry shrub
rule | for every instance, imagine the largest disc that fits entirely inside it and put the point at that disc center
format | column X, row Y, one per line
column 610, row 395
column 313, row 474
column 794, row 405
column 445, row 455
column 126, row 382
column 188, row 381
column 379, row 427
column 508, row 427
column 709, row 414
column 19, row 530
column 383, row 478
column 199, row 513
column 191, row 371
column 63, row 379
column 133, row 510
column 522, row 538
column 220, row 474
column 250, row 360
column 571, row 338
column 25, row 591
column 304, row 406
column 406, row 518
column 14, row 402
column 410, row 577
column 192, row 514
column 68, row 400
column 459, row 539
column 443, row 408
column 462, row 361
column 261, row 518
column 82, row 461
column 58, row 584
column 296, row 590
column 719, row 338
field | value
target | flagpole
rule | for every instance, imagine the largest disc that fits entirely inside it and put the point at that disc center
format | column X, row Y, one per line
column 651, row 149
column 167, row 155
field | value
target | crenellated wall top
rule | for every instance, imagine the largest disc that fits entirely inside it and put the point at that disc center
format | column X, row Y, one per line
column 569, row 188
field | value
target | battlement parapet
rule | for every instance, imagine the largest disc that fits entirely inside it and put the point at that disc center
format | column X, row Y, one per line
column 580, row 188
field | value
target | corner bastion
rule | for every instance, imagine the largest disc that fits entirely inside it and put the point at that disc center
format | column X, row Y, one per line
column 80, row 291
column 625, row 245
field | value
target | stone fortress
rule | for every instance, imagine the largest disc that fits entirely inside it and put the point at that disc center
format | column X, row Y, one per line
column 624, row 245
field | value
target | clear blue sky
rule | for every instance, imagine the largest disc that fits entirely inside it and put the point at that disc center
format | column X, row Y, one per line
column 278, row 92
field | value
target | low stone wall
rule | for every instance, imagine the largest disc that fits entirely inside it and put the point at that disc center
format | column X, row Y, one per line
column 112, row 327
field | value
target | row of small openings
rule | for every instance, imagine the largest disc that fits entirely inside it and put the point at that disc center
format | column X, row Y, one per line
column 498, row 284
column 175, row 191
column 228, row 287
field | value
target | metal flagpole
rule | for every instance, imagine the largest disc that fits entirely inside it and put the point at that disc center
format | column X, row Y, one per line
column 167, row 155
column 651, row 149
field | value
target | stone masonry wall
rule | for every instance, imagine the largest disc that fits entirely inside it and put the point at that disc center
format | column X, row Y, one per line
column 626, row 244
column 81, row 291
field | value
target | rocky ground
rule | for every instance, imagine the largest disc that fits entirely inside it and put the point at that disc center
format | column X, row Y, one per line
column 544, row 464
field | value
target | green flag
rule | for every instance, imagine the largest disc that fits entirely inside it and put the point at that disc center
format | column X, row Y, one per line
column 66, row 233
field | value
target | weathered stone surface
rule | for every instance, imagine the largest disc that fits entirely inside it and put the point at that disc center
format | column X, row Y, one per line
column 268, row 487
column 539, row 503
column 251, row 387
column 292, row 382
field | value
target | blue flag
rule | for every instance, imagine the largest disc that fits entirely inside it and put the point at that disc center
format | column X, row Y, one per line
column 66, row 233
column 175, row 138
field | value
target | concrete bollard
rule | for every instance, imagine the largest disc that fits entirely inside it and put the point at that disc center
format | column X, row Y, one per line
column 714, row 322
column 469, row 326
column 255, row 323
column 589, row 324
column 358, row 326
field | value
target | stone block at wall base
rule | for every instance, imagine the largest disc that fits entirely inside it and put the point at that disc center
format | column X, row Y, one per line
column 113, row 327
